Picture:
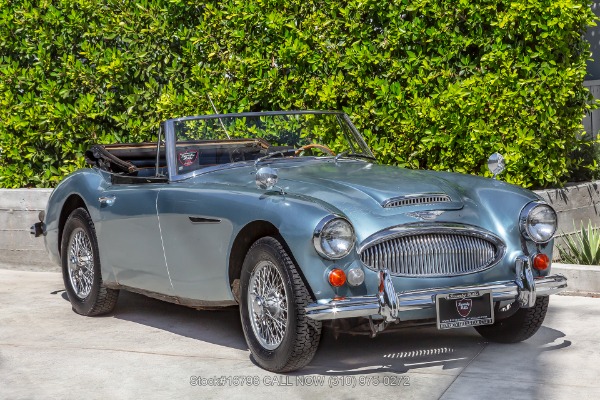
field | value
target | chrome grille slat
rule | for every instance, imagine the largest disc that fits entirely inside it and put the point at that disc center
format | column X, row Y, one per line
column 411, row 200
column 432, row 254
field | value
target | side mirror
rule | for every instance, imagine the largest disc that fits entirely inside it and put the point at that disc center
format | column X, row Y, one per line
column 266, row 178
column 496, row 164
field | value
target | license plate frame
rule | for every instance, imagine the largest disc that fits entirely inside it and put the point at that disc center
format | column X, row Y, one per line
column 464, row 309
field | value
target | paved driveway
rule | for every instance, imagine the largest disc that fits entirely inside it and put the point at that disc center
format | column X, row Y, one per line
column 150, row 349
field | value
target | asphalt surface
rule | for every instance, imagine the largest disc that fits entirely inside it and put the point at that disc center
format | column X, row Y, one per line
column 153, row 350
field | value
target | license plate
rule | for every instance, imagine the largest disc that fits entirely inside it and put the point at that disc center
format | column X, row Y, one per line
column 463, row 309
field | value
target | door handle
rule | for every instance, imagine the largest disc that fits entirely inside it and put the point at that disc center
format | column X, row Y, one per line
column 107, row 200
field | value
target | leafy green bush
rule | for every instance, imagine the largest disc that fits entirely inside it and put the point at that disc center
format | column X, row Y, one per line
column 583, row 161
column 583, row 247
column 432, row 84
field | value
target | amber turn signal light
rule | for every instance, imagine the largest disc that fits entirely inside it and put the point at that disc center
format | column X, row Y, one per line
column 337, row 277
column 541, row 262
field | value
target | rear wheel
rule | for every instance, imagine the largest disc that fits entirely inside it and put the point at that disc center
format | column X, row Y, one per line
column 520, row 326
column 81, row 267
column 272, row 308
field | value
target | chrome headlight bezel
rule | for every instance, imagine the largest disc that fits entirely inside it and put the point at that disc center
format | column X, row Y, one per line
column 320, row 234
column 525, row 225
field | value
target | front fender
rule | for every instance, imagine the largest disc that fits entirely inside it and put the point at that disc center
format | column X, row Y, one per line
column 296, row 217
column 83, row 183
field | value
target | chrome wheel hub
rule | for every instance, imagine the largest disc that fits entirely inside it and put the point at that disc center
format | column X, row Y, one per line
column 80, row 263
column 267, row 305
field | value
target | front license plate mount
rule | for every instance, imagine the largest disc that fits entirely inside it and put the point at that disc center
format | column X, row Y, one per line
column 464, row 309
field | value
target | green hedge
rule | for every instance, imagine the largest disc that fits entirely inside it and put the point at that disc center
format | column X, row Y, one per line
column 435, row 84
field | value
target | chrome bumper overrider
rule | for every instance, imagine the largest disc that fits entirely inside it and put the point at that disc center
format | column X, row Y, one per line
column 388, row 303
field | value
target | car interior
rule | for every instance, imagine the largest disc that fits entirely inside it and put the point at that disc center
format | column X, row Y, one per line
column 138, row 162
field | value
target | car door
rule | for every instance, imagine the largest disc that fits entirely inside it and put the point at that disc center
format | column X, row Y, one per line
column 130, row 236
column 196, row 240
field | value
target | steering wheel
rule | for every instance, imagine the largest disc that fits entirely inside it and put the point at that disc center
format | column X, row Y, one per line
column 312, row 146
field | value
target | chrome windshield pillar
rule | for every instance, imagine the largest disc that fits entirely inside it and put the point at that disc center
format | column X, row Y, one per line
column 525, row 282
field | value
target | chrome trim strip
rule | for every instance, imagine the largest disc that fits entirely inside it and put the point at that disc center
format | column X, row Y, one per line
column 255, row 114
column 162, row 240
column 170, row 150
column 204, row 220
column 419, row 228
column 419, row 253
column 357, row 135
column 365, row 306
column 524, row 216
column 319, row 230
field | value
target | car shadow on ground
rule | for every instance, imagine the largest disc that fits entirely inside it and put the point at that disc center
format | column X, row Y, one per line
column 408, row 349
column 221, row 327
column 397, row 351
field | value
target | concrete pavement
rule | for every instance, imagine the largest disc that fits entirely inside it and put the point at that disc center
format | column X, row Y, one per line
column 150, row 349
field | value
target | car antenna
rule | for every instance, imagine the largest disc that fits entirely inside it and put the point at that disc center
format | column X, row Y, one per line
column 216, row 112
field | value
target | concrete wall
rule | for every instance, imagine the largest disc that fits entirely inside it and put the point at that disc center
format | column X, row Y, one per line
column 574, row 204
column 19, row 209
column 580, row 278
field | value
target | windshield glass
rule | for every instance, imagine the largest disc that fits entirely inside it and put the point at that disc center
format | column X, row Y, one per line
column 264, row 137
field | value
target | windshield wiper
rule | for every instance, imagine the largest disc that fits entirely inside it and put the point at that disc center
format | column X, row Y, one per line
column 275, row 153
column 340, row 155
column 357, row 155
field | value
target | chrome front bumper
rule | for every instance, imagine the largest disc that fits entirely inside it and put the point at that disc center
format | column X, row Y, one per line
column 388, row 303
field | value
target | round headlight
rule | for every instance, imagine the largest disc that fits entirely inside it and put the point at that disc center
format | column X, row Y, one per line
column 333, row 237
column 538, row 222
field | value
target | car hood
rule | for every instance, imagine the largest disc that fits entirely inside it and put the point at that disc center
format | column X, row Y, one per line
column 359, row 189
column 367, row 184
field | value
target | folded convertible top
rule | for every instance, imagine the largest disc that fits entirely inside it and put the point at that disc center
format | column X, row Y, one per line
column 100, row 157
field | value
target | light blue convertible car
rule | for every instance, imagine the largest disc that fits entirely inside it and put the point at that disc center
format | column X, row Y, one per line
column 288, row 215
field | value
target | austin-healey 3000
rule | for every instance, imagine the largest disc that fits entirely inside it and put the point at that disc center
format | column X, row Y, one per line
column 288, row 216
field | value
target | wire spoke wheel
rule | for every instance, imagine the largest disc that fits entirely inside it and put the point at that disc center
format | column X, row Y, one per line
column 267, row 305
column 80, row 263
column 81, row 269
column 273, row 299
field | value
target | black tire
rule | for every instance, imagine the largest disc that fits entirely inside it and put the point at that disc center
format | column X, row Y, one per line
column 96, row 299
column 302, row 334
column 520, row 326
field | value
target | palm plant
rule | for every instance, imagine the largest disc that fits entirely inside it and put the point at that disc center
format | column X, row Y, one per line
column 582, row 247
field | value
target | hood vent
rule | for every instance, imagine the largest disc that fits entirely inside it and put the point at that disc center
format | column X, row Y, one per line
column 416, row 199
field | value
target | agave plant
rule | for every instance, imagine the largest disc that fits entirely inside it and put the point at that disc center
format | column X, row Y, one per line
column 582, row 247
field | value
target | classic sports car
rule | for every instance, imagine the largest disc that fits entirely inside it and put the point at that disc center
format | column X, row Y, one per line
column 288, row 215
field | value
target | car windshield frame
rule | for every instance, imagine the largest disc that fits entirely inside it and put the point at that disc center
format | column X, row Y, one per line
column 171, row 139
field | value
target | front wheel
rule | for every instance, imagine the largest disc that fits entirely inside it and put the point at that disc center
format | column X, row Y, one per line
column 520, row 326
column 81, row 267
column 272, row 308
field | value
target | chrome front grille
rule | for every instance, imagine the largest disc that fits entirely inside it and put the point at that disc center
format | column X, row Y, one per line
column 415, row 199
column 434, row 253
